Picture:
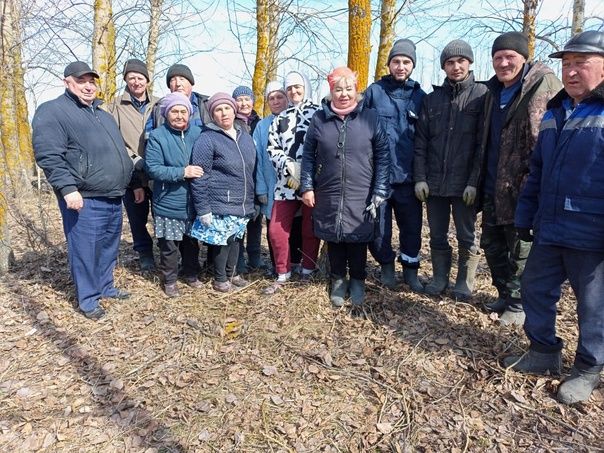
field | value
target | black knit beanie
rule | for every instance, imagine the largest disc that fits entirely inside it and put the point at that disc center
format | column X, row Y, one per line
column 456, row 48
column 404, row 47
column 179, row 70
column 134, row 65
column 513, row 40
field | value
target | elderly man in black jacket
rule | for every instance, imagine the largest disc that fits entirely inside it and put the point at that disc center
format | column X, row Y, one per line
column 83, row 155
column 447, row 167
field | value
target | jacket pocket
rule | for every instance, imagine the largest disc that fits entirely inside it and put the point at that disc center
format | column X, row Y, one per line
column 587, row 205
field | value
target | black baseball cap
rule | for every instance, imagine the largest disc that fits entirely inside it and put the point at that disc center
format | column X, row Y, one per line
column 78, row 69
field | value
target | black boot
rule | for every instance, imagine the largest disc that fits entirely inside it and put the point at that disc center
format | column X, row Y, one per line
column 467, row 263
column 441, row 267
column 387, row 277
column 357, row 291
column 539, row 359
column 410, row 278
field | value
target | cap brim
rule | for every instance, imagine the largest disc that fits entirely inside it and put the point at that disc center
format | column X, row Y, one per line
column 577, row 49
column 81, row 73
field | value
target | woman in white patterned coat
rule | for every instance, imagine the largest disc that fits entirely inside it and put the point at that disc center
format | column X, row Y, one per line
column 285, row 147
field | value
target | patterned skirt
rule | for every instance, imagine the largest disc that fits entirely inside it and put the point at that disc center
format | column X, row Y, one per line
column 220, row 230
column 171, row 229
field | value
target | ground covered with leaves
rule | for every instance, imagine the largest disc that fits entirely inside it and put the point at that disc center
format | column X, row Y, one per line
column 246, row 372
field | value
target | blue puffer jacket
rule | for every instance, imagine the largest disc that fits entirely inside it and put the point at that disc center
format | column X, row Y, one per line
column 266, row 176
column 345, row 162
column 227, row 184
column 398, row 105
column 563, row 198
column 167, row 153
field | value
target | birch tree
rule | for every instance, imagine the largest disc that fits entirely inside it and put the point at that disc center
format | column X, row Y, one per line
column 103, row 48
column 359, row 36
column 154, row 21
column 578, row 16
column 528, row 24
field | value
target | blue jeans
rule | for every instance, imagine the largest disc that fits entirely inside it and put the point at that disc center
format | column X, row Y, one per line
column 138, row 213
column 546, row 270
column 408, row 213
column 93, row 240
column 439, row 216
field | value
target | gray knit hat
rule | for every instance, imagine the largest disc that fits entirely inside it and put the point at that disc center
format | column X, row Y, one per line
column 135, row 65
column 512, row 40
column 179, row 70
column 404, row 47
column 456, row 48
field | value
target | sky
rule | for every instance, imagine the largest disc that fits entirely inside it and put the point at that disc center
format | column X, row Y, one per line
column 220, row 61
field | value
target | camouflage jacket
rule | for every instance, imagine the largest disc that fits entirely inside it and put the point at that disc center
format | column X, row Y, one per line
column 519, row 135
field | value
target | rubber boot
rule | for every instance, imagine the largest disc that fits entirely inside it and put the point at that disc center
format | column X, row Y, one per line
column 499, row 305
column 579, row 386
column 387, row 275
column 357, row 291
column 467, row 263
column 146, row 261
column 339, row 286
column 441, row 267
column 410, row 278
column 513, row 314
column 546, row 361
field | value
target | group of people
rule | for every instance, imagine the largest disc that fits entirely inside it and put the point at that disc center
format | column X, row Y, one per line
column 523, row 148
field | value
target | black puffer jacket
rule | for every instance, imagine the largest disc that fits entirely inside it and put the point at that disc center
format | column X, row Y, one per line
column 345, row 162
column 447, row 138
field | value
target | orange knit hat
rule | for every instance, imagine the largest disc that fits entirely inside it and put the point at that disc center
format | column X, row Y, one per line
column 341, row 72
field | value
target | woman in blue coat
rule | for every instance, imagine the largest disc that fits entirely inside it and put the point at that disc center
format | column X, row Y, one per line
column 167, row 158
column 344, row 176
column 224, row 195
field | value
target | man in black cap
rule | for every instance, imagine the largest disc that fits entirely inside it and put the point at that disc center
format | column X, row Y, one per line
column 447, row 167
column 131, row 111
column 180, row 78
column 561, row 210
column 515, row 103
column 84, row 158
column 397, row 98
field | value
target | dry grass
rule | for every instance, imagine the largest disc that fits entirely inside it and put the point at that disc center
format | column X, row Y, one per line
column 246, row 372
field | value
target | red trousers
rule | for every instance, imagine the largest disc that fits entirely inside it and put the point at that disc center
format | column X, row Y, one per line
column 282, row 218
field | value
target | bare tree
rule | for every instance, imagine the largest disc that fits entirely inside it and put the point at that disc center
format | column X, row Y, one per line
column 154, row 23
column 388, row 16
column 103, row 48
column 578, row 16
column 359, row 39
column 264, row 52
column 528, row 24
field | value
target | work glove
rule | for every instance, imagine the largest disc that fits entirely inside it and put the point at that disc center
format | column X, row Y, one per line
column 206, row 219
column 422, row 191
column 372, row 207
column 262, row 199
column 293, row 174
column 525, row 234
column 469, row 195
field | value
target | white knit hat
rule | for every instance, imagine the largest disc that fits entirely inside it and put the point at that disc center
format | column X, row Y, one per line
column 273, row 86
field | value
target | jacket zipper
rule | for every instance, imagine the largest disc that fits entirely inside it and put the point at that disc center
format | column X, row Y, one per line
column 114, row 144
column 244, row 177
column 343, row 154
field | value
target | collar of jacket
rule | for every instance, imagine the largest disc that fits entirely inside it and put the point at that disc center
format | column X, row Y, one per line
column 214, row 127
column 533, row 74
column 456, row 87
column 390, row 84
column 79, row 103
column 177, row 131
column 127, row 96
column 597, row 94
column 330, row 114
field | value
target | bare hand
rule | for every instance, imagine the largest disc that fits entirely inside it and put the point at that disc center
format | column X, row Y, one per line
column 193, row 171
column 74, row 201
column 308, row 198
column 139, row 195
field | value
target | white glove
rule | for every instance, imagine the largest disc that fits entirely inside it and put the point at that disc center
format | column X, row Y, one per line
column 422, row 191
column 372, row 207
column 206, row 219
column 293, row 169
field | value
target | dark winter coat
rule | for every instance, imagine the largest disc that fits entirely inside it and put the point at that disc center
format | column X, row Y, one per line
column 398, row 106
column 518, row 136
column 80, row 148
column 447, row 138
column 227, row 184
column 563, row 198
column 167, row 154
column 345, row 162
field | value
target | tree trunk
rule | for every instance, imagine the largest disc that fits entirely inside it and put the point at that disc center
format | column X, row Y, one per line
column 387, row 21
column 528, row 24
column 359, row 35
column 578, row 16
column 103, row 48
column 262, row 53
column 154, row 17
column 272, row 52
